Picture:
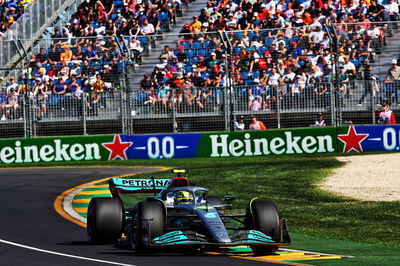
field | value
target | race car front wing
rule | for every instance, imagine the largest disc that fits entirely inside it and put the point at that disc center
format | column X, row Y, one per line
column 244, row 237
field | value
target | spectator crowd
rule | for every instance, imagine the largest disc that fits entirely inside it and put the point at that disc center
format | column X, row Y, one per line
column 274, row 52
column 89, row 53
column 10, row 12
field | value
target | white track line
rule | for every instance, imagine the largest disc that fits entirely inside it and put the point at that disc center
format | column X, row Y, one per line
column 63, row 254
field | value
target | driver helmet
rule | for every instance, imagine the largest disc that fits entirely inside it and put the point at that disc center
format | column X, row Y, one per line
column 183, row 197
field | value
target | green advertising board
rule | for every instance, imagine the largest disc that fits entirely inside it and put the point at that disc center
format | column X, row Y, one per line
column 209, row 145
column 268, row 142
column 53, row 149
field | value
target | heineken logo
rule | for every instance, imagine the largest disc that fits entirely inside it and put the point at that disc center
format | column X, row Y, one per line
column 223, row 146
column 55, row 151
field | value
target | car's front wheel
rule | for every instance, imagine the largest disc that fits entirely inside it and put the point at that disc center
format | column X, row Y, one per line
column 264, row 216
column 149, row 222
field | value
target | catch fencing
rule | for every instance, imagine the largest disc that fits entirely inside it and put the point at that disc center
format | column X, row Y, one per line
column 87, row 113
column 216, row 95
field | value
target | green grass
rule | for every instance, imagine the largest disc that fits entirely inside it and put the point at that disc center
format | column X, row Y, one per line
column 318, row 220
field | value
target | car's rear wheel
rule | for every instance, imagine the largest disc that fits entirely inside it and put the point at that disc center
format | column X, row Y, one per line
column 104, row 220
column 264, row 217
column 149, row 222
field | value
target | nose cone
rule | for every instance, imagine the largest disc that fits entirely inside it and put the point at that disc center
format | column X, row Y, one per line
column 222, row 237
column 214, row 224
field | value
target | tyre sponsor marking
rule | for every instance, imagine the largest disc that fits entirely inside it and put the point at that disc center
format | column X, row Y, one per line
column 63, row 254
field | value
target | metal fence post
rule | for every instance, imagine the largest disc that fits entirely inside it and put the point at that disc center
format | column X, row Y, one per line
column 332, row 104
column 373, row 101
column 25, row 114
column 174, row 123
column 228, row 106
column 278, row 107
column 124, row 111
column 84, row 114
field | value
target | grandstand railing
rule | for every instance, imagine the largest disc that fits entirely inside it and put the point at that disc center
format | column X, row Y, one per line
column 235, row 90
column 181, row 111
column 37, row 17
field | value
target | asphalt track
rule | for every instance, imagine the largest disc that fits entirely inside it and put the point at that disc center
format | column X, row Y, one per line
column 33, row 233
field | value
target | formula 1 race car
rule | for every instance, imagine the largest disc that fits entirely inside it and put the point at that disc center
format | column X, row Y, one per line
column 182, row 214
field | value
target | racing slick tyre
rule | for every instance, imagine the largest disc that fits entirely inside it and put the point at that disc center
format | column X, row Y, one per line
column 264, row 217
column 149, row 222
column 104, row 220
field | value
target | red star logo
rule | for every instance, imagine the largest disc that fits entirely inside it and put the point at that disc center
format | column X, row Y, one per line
column 352, row 140
column 117, row 148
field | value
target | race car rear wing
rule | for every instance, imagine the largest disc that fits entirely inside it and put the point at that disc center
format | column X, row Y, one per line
column 136, row 186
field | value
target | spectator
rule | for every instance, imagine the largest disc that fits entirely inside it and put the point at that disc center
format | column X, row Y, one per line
column 239, row 125
column 243, row 23
column 256, row 124
column 43, row 57
column 101, row 29
column 153, row 19
column 368, row 79
column 115, row 52
column 392, row 79
column 60, row 87
column 220, row 23
column 66, row 54
column 296, row 92
column 119, row 19
column 109, row 78
column 256, row 104
column 101, row 14
column 182, row 57
column 134, row 28
column 320, row 121
column 127, row 12
column 392, row 9
column 93, row 103
column 147, row 28
column 163, row 96
column 13, row 109
column 40, row 98
column 12, row 86
column 91, row 54
column 386, row 116
column 231, row 23
column 78, row 56
column 195, row 26
column 136, row 49
column 166, row 54
column 376, row 11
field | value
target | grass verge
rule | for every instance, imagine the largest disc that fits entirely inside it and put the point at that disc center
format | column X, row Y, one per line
column 320, row 221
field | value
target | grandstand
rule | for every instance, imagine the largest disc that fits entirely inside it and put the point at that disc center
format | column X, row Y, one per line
column 169, row 66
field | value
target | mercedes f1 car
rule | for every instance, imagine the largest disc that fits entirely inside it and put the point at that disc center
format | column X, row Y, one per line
column 182, row 214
